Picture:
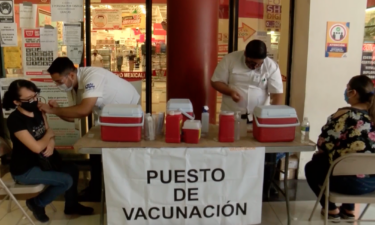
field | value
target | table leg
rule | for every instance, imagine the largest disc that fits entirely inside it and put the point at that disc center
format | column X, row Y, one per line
column 102, row 202
column 286, row 189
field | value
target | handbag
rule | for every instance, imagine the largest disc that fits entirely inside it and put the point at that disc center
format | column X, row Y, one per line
column 52, row 163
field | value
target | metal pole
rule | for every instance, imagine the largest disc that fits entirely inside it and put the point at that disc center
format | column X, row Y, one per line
column 88, row 46
column 231, row 25
column 148, row 56
column 290, row 51
column 235, row 28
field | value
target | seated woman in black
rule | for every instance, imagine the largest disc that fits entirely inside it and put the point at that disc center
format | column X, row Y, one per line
column 349, row 130
column 33, row 143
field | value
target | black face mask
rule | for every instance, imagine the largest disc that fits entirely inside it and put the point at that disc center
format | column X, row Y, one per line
column 30, row 107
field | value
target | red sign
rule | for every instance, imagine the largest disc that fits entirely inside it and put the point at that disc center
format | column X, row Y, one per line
column 223, row 48
column 252, row 8
column 33, row 1
column 158, row 29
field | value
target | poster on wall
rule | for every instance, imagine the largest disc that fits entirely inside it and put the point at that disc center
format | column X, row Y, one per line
column 67, row 10
column 12, row 57
column 368, row 60
column 7, row 11
column 273, row 15
column 44, row 18
column 130, row 20
column 65, row 132
column 8, row 33
column 106, row 19
column 337, row 39
column 183, row 185
column 35, row 61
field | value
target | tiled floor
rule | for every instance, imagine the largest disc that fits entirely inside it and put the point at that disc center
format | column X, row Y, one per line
column 274, row 213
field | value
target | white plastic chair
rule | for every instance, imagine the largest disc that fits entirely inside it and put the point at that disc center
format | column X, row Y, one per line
column 9, row 188
column 348, row 165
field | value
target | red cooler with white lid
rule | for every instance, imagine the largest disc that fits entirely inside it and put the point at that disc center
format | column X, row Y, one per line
column 192, row 131
column 182, row 105
column 121, row 123
column 274, row 123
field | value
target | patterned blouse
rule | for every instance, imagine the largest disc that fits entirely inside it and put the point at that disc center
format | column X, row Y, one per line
column 351, row 132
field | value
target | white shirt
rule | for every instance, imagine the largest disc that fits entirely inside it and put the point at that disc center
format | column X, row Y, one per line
column 96, row 60
column 254, row 86
column 94, row 82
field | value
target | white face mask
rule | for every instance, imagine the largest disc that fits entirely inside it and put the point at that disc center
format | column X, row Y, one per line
column 64, row 88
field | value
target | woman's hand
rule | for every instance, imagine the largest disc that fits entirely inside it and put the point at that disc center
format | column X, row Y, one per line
column 318, row 152
column 50, row 148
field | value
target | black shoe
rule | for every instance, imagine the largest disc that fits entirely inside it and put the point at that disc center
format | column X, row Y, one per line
column 79, row 210
column 89, row 195
column 345, row 215
column 334, row 217
column 38, row 212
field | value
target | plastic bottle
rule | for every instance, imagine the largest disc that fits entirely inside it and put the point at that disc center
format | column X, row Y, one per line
column 237, row 126
column 149, row 128
column 305, row 131
column 243, row 125
column 205, row 121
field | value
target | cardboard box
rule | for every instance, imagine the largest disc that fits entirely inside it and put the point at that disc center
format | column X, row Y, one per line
column 291, row 174
column 293, row 162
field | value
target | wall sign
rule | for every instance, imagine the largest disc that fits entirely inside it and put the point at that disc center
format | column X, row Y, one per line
column 337, row 39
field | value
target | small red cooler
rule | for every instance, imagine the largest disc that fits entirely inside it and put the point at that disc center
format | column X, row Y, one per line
column 121, row 123
column 191, row 131
column 182, row 105
column 275, row 123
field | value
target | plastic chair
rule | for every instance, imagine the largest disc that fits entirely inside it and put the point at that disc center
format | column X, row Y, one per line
column 9, row 188
column 348, row 165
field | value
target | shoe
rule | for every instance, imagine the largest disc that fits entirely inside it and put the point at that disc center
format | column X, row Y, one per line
column 38, row 212
column 79, row 210
column 334, row 217
column 88, row 195
column 345, row 215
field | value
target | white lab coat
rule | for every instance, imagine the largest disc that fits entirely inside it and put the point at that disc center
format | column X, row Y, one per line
column 254, row 86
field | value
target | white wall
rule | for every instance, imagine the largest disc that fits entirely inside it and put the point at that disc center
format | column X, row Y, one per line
column 323, row 80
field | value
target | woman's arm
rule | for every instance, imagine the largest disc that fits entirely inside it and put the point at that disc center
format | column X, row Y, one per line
column 29, row 141
column 51, row 144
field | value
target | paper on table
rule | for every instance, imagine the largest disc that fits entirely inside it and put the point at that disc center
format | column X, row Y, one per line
column 48, row 39
column 72, row 34
column 75, row 53
column 26, row 15
column 67, row 10
column 8, row 32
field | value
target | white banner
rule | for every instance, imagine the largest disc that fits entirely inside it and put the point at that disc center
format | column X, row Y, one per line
column 190, row 186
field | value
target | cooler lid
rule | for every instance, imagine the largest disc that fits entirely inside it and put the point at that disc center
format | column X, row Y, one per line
column 192, row 125
column 122, row 110
column 179, row 103
column 275, row 111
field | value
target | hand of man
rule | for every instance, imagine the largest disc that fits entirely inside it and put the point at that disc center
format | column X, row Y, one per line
column 53, row 104
column 45, row 108
column 49, row 150
column 235, row 96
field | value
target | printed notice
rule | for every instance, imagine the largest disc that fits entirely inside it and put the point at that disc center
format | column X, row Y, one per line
column 337, row 39
column 8, row 32
column 75, row 53
column 35, row 61
column 106, row 19
column 67, row 10
column 72, row 34
column 12, row 57
column 48, row 39
column 6, row 11
column 26, row 15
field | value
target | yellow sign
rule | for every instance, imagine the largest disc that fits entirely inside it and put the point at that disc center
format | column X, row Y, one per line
column 245, row 32
column 130, row 20
column 12, row 58
column 337, row 39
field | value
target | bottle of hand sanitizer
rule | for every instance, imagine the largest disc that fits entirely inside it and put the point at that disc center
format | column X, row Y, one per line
column 205, row 121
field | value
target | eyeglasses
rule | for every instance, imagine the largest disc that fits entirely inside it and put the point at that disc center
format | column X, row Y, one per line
column 253, row 64
column 60, row 82
column 32, row 99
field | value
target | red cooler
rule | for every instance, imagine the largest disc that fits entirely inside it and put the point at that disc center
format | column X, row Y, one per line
column 182, row 105
column 121, row 123
column 191, row 131
column 226, row 127
column 275, row 123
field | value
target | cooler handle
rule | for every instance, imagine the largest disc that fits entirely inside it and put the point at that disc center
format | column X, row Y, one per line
column 186, row 114
column 276, row 125
column 122, row 125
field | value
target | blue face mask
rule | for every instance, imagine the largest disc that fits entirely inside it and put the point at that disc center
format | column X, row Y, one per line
column 346, row 96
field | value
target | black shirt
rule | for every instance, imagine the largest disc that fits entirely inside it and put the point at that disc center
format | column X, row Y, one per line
column 23, row 159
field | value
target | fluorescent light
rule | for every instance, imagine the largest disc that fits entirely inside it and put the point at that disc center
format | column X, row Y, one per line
column 370, row 9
